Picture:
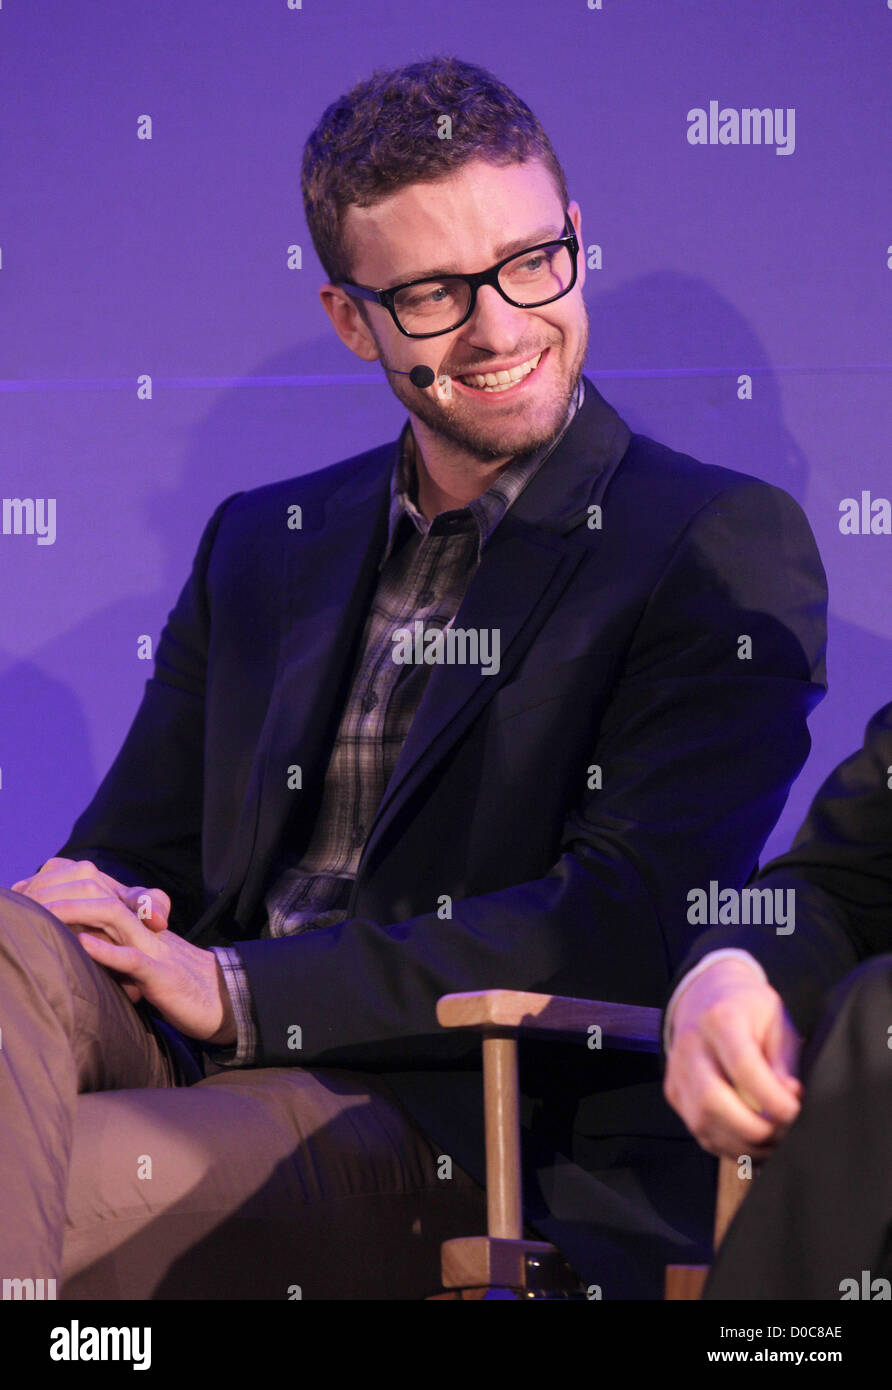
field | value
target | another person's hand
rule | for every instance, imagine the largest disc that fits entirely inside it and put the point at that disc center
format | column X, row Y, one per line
column 61, row 883
column 731, row 1062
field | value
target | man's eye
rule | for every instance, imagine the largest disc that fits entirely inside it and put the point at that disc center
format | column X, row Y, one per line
column 424, row 299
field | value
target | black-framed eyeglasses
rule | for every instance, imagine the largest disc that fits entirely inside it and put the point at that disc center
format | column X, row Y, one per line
column 441, row 303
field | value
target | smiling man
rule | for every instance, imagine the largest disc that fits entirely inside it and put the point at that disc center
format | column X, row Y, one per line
column 222, row 1073
column 506, row 373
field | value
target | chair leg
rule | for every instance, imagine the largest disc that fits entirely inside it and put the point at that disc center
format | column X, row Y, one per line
column 685, row 1283
column 501, row 1100
column 503, row 1262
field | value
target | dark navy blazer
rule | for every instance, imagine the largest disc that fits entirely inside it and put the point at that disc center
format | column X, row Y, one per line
column 623, row 647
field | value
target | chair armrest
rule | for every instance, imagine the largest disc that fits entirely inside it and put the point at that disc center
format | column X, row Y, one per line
column 509, row 1012
column 501, row 1016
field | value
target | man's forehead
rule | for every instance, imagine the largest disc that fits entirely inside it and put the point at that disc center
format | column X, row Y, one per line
column 465, row 219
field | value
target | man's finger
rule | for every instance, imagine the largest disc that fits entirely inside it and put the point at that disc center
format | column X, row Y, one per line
column 109, row 915
column 712, row 1109
column 133, row 991
column 151, row 905
column 60, row 878
column 746, row 1068
column 83, row 890
column 126, row 960
column 41, row 888
column 58, row 871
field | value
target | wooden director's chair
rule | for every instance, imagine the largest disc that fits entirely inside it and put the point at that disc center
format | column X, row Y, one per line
column 473, row 1267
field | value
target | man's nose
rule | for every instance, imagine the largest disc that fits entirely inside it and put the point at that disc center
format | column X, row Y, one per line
column 495, row 324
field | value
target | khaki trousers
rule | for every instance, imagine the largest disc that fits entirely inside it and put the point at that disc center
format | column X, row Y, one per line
column 119, row 1180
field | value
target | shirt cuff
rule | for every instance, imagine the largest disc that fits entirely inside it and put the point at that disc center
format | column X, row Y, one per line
column 731, row 952
column 243, row 1052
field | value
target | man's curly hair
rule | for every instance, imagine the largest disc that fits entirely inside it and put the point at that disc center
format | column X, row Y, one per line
column 382, row 136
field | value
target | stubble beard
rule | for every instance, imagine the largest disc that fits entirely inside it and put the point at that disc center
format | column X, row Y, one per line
column 481, row 441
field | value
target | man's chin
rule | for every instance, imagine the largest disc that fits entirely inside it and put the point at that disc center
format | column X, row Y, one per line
column 493, row 439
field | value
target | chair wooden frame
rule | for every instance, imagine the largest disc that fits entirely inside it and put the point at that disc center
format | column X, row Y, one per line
column 474, row 1266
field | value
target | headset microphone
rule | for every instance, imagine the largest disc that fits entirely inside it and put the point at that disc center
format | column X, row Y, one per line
column 419, row 376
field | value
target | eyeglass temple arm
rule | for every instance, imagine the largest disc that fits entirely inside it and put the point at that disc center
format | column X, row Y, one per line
column 360, row 291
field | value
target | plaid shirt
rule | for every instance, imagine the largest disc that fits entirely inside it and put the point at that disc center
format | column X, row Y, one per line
column 423, row 574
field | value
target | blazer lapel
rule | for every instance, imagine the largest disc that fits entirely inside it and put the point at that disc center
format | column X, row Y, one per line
column 524, row 568
column 327, row 578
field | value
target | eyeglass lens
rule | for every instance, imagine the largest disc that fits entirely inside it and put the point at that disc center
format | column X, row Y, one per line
column 530, row 279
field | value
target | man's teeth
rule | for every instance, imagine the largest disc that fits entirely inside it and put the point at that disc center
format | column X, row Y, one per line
column 500, row 381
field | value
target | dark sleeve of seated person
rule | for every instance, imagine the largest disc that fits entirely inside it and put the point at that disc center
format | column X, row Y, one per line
column 734, row 1031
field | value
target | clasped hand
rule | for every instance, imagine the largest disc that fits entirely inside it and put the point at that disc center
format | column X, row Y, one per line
column 125, row 929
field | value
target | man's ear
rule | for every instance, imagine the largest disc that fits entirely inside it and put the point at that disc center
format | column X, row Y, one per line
column 349, row 323
column 575, row 214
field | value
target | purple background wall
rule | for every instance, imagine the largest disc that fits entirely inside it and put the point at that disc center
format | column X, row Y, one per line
column 167, row 256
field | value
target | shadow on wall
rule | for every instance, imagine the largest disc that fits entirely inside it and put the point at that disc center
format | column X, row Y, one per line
column 678, row 348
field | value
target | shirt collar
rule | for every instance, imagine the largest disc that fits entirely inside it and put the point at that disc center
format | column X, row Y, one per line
column 486, row 510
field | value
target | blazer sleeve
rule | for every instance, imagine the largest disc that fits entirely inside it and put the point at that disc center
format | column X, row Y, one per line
column 143, row 826
column 839, row 869
column 705, row 732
